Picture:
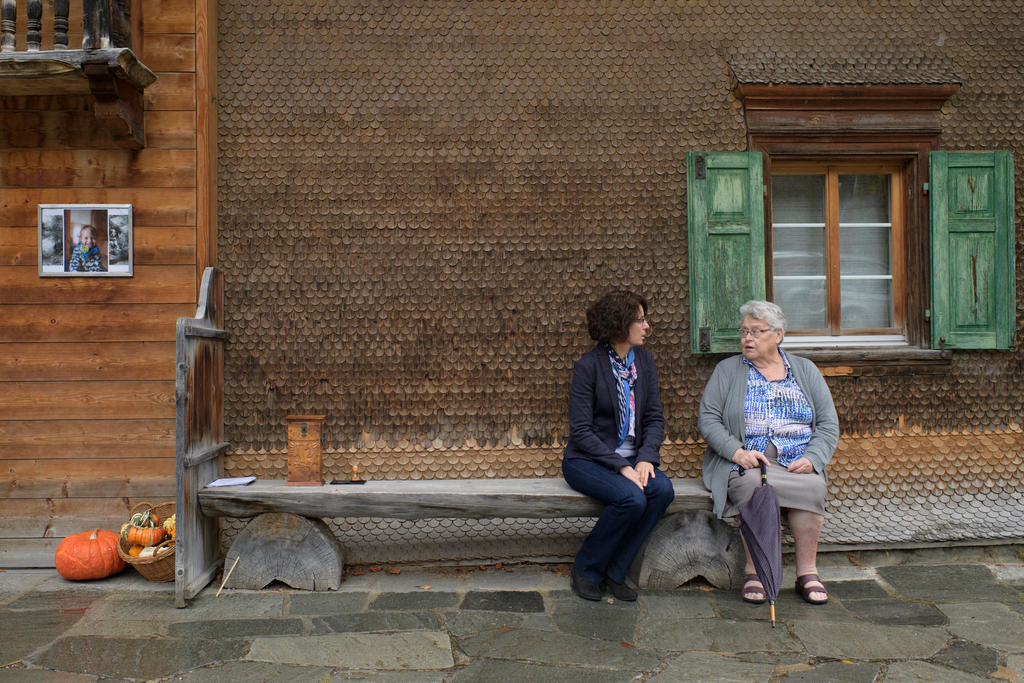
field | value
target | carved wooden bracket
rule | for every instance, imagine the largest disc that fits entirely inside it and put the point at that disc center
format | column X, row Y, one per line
column 118, row 105
column 114, row 77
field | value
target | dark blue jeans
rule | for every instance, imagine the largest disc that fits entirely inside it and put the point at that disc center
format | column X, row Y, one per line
column 629, row 516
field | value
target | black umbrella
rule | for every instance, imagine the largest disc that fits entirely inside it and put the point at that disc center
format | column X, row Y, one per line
column 761, row 527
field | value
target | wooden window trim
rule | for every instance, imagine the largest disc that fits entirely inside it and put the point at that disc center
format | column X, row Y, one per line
column 887, row 123
column 832, row 169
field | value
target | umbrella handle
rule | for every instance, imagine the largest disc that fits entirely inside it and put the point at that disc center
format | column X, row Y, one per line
column 764, row 472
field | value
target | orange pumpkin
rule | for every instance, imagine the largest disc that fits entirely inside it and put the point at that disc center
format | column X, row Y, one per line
column 88, row 555
column 144, row 536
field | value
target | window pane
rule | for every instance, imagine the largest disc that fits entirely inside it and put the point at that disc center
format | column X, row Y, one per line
column 864, row 250
column 864, row 198
column 803, row 302
column 798, row 198
column 866, row 303
column 798, row 250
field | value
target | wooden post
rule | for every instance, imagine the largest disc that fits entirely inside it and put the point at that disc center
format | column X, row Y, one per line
column 8, row 23
column 304, row 450
column 34, row 36
column 95, row 24
column 60, row 24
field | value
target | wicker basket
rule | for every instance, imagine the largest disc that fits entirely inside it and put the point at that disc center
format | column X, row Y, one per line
column 159, row 566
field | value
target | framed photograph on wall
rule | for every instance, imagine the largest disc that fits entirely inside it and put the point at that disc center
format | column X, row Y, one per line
column 85, row 240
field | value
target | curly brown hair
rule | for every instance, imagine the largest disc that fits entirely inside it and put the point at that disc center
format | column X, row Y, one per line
column 609, row 318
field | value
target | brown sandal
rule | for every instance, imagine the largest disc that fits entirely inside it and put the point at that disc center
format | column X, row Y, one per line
column 749, row 590
column 805, row 592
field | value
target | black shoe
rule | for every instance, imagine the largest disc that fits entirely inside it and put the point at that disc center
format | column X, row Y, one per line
column 620, row 591
column 586, row 589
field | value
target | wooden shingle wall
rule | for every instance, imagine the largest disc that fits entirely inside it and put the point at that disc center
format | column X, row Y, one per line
column 87, row 364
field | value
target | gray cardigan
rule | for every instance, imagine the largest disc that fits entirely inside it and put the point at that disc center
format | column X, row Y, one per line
column 722, row 426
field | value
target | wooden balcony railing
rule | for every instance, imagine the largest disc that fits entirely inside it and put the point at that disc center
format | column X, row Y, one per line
column 105, row 67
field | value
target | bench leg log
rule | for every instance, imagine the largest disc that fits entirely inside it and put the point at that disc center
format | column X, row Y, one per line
column 299, row 551
column 685, row 545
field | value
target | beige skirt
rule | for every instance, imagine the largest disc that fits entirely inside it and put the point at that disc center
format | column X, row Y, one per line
column 799, row 491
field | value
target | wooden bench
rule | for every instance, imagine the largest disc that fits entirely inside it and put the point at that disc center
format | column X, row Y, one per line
column 287, row 520
column 688, row 542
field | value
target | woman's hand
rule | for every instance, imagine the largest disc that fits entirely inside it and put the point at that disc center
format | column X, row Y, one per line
column 633, row 475
column 801, row 466
column 646, row 472
column 748, row 460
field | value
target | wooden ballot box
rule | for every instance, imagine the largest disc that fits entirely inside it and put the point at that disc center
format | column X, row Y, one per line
column 304, row 461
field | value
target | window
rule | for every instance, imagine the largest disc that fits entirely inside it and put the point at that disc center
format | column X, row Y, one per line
column 844, row 212
column 836, row 245
column 834, row 252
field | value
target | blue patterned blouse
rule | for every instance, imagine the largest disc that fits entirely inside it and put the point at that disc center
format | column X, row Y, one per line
column 776, row 411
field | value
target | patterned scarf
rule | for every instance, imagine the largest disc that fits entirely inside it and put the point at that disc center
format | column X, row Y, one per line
column 625, row 373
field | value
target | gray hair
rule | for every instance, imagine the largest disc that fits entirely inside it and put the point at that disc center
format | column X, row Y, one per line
column 766, row 311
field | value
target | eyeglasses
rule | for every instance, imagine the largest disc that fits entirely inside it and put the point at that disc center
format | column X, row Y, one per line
column 744, row 332
column 641, row 321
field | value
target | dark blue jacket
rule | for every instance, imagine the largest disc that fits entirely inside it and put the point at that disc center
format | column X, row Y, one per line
column 593, row 401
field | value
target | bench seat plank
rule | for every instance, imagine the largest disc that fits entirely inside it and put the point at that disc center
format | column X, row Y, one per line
column 544, row 498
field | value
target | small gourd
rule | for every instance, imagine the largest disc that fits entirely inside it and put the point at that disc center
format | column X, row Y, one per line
column 170, row 527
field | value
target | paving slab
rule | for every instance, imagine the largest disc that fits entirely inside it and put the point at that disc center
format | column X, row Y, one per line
column 970, row 657
column 236, row 628
column 750, row 636
column 503, row 601
column 326, row 602
column 855, row 590
column 143, row 658
column 540, row 647
column 841, row 640
column 375, row 621
column 90, row 625
column 59, row 600
column 15, row 582
column 33, row 675
column 674, row 634
column 988, row 623
column 689, row 604
column 947, row 583
column 466, row 623
column 924, row 672
column 27, row 631
column 133, row 607
column 413, row 601
column 496, row 671
column 375, row 651
column 389, row 676
column 712, row 668
column 896, row 611
column 616, row 621
column 836, row 672
column 255, row 672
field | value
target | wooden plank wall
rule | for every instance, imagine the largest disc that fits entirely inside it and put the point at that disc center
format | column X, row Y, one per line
column 87, row 364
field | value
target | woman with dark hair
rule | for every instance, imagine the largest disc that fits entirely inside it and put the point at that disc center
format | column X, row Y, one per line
column 616, row 428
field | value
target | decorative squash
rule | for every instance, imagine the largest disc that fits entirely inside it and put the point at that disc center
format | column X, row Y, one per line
column 88, row 555
column 143, row 529
column 135, row 550
column 144, row 535
column 170, row 526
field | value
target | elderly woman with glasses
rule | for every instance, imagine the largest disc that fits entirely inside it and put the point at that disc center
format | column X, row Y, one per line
column 768, row 406
column 615, row 432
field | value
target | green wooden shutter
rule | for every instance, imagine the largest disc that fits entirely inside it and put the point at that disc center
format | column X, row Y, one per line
column 725, row 232
column 971, row 202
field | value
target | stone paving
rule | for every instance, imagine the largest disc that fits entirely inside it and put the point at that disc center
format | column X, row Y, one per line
column 911, row 616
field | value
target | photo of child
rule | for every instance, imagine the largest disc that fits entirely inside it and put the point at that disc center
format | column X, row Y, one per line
column 85, row 240
column 85, row 255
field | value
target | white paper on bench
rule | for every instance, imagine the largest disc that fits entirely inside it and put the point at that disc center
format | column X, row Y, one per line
column 232, row 481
